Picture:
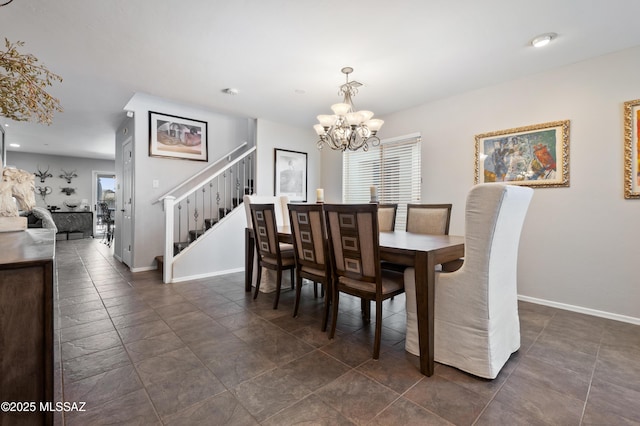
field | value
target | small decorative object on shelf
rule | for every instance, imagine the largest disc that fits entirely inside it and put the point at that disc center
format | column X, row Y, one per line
column 68, row 175
column 320, row 195
column 72, row 203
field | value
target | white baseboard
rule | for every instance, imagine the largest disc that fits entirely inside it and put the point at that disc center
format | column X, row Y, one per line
column 580, row 309
column 143, row 269
column 208, row 275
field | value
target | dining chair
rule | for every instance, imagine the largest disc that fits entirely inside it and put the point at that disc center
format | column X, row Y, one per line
column 428, row 218
column 354, row 247
column 272, row 254
column 387, row 217
column 311, row 252
column 282, row 219
column 476, row 326
column 433, row 219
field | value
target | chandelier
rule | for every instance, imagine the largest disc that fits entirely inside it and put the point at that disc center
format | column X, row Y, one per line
column 346, row 128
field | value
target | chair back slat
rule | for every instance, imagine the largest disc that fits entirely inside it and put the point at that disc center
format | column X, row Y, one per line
column 309, row 234
column 265, row 230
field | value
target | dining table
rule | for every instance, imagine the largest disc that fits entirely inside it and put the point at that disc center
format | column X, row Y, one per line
column 420, row 251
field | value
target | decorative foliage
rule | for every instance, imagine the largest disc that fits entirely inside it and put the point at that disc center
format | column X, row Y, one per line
column 23, row 81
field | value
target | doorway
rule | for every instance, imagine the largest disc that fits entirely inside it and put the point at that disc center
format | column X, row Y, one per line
column 104, row 203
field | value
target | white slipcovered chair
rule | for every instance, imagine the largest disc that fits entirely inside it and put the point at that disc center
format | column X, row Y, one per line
column 476, row 308
column 268, row 279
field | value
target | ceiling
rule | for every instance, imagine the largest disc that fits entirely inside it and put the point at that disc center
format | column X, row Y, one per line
column 284, row 56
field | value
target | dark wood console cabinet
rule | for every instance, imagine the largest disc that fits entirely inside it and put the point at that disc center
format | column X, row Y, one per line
column 26, row 322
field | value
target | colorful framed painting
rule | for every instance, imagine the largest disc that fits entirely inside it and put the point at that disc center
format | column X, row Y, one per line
column 177, row 137
column 290, row 174
column 535, row 155
column 632, row 149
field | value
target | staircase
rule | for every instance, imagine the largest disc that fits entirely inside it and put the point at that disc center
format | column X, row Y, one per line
column 199, row 205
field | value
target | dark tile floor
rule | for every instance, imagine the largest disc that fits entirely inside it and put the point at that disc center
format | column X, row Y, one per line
column 203, row 352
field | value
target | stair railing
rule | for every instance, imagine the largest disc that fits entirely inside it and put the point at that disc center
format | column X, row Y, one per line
column 204, row 205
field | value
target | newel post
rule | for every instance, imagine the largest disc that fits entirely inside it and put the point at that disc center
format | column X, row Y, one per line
column 167, row 266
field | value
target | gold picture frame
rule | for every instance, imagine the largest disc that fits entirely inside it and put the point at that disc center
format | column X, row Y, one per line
column 536, row 155
column 632, row 149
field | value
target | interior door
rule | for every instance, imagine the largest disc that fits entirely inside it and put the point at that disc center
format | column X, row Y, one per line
column 127, row 204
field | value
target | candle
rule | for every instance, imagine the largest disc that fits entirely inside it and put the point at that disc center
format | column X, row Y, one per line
column 320, row 195
column 374, row 192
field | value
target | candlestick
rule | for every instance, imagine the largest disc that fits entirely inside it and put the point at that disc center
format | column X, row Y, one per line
column 374, row 193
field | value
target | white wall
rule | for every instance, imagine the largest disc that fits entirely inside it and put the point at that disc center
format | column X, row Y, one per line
column 579, row 244
column 218, row 253
column 82, row 184
column 224, row 134
column 271, row 135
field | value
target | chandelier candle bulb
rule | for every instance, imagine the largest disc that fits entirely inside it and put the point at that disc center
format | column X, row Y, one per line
column 320, row 195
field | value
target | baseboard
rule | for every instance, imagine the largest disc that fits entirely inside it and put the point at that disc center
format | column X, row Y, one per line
column 580, row 309
column 208, row 275
column 143, row 269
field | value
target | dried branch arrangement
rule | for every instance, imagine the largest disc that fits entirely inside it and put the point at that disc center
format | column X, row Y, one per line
column 23, row 83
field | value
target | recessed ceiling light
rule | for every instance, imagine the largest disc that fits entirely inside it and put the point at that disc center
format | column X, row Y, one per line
column 543, row 39
column 230, row 91
column 300, row 91
column 14, row 145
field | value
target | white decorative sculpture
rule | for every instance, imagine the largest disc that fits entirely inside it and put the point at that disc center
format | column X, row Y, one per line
column 19, row 185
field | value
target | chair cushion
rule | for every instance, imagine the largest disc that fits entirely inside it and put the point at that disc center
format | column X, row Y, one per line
column 287, row 256
column 392, row 281
column 313, row 271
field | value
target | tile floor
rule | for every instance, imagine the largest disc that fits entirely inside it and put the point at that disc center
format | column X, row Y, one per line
column 203, row 352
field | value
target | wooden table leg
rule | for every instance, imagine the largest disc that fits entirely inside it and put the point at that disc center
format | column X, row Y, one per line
column 425, row 292
column 249, row 245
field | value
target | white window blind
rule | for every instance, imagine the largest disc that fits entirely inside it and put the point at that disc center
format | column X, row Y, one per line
column 393, row 167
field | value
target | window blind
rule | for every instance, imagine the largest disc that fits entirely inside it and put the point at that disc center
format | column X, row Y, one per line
column 393, row 167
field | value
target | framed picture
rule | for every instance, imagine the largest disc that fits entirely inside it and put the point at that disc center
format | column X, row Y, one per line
column 632, row 149
column 535, row 155
column 290, row 177
column 177, row 137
